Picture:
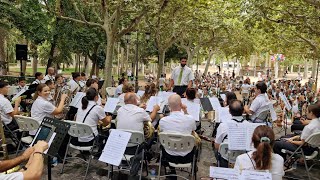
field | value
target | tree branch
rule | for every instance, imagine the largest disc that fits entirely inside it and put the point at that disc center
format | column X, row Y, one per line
column 313, row 2
column 133, row 24
column 308, row 41
column 80, row 21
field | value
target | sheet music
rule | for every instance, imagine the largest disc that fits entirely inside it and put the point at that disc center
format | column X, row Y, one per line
column 77, row 99
column 164, row 94
column 253, row 175
column 155, row 100
column 19, row 94
column 272, row 112
column 224, row 173
column 111, row 105
column 215, row 103
column 223, row 96
column 114, row 149
column 240, row 135
column 50, row 142
column 193, row 109
column 285, row 100
column 224, row 114
column 140, row 93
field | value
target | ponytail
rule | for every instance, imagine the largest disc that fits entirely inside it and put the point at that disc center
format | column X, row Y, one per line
column 263, row 140
column 84, row 102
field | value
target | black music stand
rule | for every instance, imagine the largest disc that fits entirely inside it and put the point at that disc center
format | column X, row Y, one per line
column 61, row 130
column 100, row 84
column 206, row 104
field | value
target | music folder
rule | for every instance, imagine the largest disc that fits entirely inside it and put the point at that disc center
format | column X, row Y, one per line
column 32, row 89
column 206, row 104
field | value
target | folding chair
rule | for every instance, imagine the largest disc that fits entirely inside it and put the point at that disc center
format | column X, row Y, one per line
column 77, row 130
column 26, row 124
column 136, row 139
column 262, row 117
column 314, row 141
column 229, row 155
column 179, row 143
column 11, row 133
column 111, row 91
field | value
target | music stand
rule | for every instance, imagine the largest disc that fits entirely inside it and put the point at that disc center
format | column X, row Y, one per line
column 206, row 104
column 61, row 130
column 32, row 89
column 100, row 84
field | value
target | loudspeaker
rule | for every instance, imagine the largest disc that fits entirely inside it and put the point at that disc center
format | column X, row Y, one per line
column 21, row 52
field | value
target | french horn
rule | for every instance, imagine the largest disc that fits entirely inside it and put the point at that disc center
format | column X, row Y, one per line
column 63, row 90
column 148, row 130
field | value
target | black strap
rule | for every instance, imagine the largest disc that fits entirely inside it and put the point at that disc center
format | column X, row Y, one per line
column 251, row 161
column 238, row 121
column 88, row 113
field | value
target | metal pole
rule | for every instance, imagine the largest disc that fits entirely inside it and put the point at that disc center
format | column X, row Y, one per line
column 137, row 67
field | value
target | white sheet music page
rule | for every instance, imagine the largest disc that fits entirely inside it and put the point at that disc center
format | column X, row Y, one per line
column 77, row 99
column 250, row 127
column 272, row 112
column 224, row 173
column 224, row 114
column 254, row 175
column 19, row 94
column 154, row 100
column 114, row 149
column 215, row 103
column 111, row 104
column 193, row 109
column 237, row 136
column 140, row 93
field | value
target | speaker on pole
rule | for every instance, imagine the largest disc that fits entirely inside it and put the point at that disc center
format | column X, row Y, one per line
column 21, row 55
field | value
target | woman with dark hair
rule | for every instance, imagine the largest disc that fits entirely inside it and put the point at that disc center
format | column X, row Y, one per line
column 90, row 113
column 93, row 83
column 38, row 78
column 42, row 107
column 262, row 158
column 291, row 144
column 229, row 97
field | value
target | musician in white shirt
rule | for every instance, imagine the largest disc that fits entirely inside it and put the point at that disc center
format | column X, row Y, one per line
column 181, row 78
column 38, row 78
column 90, row 113
column 6, row 111
column 42, row 107
column 50, row 75
column 118, row 91
column 260, row 103
column 22, row 85
column 131, row 116
column 262, row 158
column 74, row 83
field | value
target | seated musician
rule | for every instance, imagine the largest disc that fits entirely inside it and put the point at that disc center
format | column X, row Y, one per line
column 50, row 75
column 93, row 83
column 126, row 88
column 42, row 107
column 150, row 90
column 191, row 96
column 74, row 83
column 179, row 122
column 90, row 113
column 6, row 110
column 262, row 157
column 52, row 87
column 22, row 84
column 118, row 91
column 34, row 167
column 294, row 142
column 260, row 103
column 38, row 78
column 236, row 110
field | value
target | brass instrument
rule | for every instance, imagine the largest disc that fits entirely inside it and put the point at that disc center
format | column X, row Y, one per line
column 148, row 129
column 59, row 91
column 3, row 143
column 196, row 138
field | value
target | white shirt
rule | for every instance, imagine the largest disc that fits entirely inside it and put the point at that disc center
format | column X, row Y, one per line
column 118, row 90
column 37, row 81
column 161, row 81
column 12, row 176
column 74, row 86
column 222, row 131
column 312, row 127
column 48, row 77
column 121, row 99
column 259, row 104
column 245, row 88
column 40, row 109
column 5, row 108
column 187, row 76
column 180, row 123
column 96, row 114
column 243, row 162
column 132, row 117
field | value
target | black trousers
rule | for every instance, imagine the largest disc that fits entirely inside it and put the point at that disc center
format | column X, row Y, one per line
column 180, row 90
column 278, row 145
column 297, row 126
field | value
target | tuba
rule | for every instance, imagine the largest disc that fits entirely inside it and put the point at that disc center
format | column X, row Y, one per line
column 148, row 130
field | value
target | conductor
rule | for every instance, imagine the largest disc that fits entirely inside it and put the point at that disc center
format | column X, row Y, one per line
column 181, row 78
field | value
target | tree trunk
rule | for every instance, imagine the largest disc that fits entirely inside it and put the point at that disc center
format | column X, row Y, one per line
column 86, row 64
column 276, row 69
column 314, row 68
column 3, row 69
column 34, row 50
column 189, row 63
column 305, row 74
column 53, row 47
column 162, row 54
column 108, row 64
column 208, row 62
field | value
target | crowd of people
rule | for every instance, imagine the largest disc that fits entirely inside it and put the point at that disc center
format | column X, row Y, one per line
column 243, row 100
